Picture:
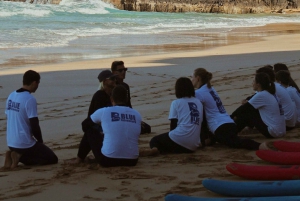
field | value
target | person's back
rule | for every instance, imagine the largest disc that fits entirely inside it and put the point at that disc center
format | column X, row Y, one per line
column 121, row 128
column 295, row 95
column 21, row 106
column 215, row 112
column 189, row 113
column 287, row 105
column 270, row 113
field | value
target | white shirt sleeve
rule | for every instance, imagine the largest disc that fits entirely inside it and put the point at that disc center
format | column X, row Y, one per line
column 31, row 108
column 257, row 101
column 97, row 115
column 173, row 111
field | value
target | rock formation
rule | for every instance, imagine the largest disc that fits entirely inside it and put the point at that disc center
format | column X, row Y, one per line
column 201, row 6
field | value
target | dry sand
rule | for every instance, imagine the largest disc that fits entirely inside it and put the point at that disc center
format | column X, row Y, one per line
column 63, row 99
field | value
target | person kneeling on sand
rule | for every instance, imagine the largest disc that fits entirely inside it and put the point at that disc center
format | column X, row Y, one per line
column 121, row 127
column 186, row 115
column 24, row 137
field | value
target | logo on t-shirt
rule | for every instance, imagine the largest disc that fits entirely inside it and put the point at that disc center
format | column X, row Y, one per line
column 13, row 106
column 218, row 102
column 194, row 113
column 122, row 117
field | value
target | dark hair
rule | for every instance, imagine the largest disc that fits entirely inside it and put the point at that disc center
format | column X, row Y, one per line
column 115, row 64
column 266, row 84
column 283, row 76
column 184, row 88
column 30, row 76
column 280, row 66
column 204, row 75
column 268, row 71
column 269, row 66
column 119, row 94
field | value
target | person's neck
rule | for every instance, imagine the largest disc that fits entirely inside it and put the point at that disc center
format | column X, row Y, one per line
column 200, row 85
column 108, row 91
column 27, row 88
column 120, row 81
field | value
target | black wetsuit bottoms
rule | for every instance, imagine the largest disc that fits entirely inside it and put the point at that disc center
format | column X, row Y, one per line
column 38, row 154
column 164, row 144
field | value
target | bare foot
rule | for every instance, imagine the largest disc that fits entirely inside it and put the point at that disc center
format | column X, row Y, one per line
column 15, row 159
column 267, row 146
column 73, row 161
column 7, row 162
column 149, row 152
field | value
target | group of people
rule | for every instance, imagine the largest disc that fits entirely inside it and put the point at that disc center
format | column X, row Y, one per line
column 197, row 118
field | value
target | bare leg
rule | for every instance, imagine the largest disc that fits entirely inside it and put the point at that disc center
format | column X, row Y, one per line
column 15, row 159
column 8, row 160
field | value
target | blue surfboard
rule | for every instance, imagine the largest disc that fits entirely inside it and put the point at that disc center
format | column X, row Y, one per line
column 253, row 188
column 175, row 197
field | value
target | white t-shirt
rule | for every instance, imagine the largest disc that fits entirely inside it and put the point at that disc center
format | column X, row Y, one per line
column 269, row 110
column 189, row 112
column 288, row 107
column 215, row 112
column 121, row 127
column 20, row 107
column 295, row 96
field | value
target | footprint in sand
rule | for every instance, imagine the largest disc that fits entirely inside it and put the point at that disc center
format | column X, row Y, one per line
column 101, row 189
column 125, row 183
column 123, row 196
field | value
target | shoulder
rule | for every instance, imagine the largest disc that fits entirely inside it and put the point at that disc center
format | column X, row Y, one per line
column 100, row 93
column 125, row 85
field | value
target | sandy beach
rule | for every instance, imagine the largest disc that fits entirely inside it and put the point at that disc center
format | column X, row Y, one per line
column 63, row 99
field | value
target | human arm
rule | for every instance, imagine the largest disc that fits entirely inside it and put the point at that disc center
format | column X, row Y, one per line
column 35, row 129
column 173, row 124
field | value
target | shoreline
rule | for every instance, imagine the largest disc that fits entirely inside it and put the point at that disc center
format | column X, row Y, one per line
column 211, row 39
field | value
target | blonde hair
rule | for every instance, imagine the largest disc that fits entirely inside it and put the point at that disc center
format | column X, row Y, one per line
column 204, row 75
column 101, row 86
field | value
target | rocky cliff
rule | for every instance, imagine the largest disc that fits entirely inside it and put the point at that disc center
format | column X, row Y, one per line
column 202, row 6
column 206, row 6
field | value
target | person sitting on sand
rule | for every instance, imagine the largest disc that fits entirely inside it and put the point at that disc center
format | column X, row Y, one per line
column 263, row 110
column 24, row 136
column 118, row 69
column 216, row 120
column 186, row 113
column 101, row 98
column 281, row 66
column 283, row 77
column 284, row 99
column 121, row 128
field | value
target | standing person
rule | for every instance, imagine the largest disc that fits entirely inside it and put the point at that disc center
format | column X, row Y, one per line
column 24, row 136
column 121, row 128
column 263, row 110
column 283, row 77
column 216, row 118
column 101, row 98
column 186, row 113
column 118, row 69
